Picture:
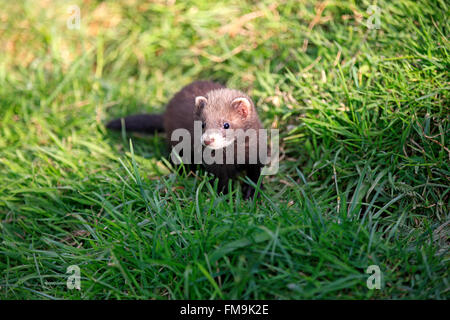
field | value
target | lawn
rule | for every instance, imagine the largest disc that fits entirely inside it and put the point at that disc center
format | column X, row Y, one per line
column 360, row 95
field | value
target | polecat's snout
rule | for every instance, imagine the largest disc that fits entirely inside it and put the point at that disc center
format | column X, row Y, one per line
column 215, row 139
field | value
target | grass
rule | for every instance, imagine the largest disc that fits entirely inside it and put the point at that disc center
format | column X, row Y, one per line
column 364, row 172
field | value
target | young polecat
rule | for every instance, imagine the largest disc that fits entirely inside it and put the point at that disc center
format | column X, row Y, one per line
column 219, row 109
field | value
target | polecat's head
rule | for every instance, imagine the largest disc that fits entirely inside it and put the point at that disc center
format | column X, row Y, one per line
column 221, row 112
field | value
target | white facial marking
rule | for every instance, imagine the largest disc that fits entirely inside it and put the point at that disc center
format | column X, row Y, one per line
column 215, row 140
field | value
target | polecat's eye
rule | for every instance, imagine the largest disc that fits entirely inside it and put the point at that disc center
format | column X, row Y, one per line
column 226, row 125
column 203, row 125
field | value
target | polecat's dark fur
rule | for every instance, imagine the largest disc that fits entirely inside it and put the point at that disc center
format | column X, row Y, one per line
column 213, row 104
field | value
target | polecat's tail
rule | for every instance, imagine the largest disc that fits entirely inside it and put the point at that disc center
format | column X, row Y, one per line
column 147, row 123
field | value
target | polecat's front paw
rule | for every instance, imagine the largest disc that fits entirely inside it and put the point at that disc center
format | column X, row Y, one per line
column 248, row 191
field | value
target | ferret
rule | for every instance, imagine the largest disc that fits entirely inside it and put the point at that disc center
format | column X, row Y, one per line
column 218, row 109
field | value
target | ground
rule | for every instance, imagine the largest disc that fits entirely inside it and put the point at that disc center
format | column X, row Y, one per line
column 359, row 91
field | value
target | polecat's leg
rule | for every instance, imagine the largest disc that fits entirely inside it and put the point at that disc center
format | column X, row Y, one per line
column 223, row 184
column 253, row 172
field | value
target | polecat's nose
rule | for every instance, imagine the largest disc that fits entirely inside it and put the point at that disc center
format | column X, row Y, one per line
column 208, row 141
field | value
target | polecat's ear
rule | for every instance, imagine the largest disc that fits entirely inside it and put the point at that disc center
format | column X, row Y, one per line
column 200, row 102
column 242, row 106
